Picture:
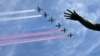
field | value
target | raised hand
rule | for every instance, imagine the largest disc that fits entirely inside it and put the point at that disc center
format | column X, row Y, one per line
column 74, row 16
column 71, row 15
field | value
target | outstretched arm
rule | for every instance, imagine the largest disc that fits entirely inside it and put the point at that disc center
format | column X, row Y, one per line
column 74, row 16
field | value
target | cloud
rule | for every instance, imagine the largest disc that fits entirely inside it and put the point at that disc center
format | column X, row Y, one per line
column 92, row 48
column 11, row 52
column 8, row 5
column 82, row 7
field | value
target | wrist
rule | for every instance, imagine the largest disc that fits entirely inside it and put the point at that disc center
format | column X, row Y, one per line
column 80, row 18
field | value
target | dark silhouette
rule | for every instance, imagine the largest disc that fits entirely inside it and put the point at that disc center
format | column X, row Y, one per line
column 70, row 35
column 39, row 9
column 74, row 16
column 45, row 14
column 51, row 20
column 58, row 25
column 64, row 30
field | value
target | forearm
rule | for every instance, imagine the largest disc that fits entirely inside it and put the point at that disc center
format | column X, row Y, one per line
column 88, row 24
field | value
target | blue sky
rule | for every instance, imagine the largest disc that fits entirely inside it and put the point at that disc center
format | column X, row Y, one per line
column 85, row 42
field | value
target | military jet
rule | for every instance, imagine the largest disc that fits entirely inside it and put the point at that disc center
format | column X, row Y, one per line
column 70, row 35
column 51, row 20
column 64, row 30
column 39, row 9
column 45, row 14
column 58, row 25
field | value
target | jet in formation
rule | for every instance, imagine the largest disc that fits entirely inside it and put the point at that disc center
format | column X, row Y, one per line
column 51, row 20
column 64, row 30
column 45, row 14
column 58, row 25
column 39, row 9
column 70, row 35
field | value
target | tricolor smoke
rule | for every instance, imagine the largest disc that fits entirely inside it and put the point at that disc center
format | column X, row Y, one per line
column 30, row 40
column 28, row 34
column 19, row 38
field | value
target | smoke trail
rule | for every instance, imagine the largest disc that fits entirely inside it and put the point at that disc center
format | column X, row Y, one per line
column 30, row 40
column 20, row 18
column 28, row 34
column 16, row 12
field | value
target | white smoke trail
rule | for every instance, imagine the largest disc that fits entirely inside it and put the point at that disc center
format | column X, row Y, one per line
column 20, row 18
column 16, row 12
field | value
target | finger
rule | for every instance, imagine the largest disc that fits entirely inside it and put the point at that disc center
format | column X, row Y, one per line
column 66, row 16
column 74, row 11
column 69, row 18
column 66, row 13
column 69, row 11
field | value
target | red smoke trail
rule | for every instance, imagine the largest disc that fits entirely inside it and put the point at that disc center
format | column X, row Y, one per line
column 27, row 34
column 30, row 40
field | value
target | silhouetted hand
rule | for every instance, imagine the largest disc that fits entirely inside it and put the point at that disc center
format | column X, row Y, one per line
column 72, row 15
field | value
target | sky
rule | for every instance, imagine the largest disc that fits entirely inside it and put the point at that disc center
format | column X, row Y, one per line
column 85, row 42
